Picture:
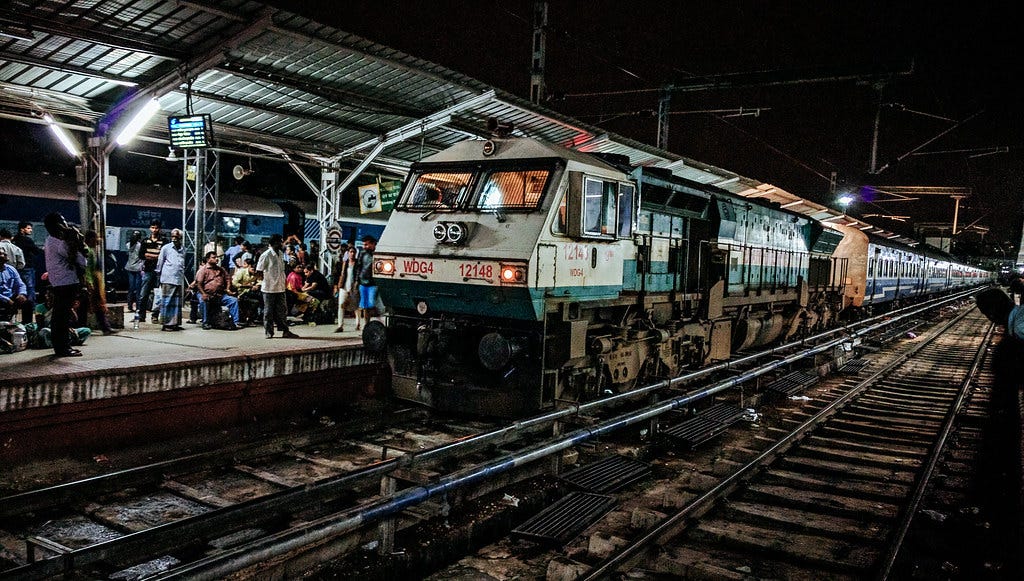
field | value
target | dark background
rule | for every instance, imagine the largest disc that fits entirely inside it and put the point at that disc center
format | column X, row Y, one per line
column 965, row 63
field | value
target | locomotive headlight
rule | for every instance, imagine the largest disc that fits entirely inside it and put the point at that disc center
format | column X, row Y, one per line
column 440, row 232
column 456, row 233
column 513, row 274
column 384, row 266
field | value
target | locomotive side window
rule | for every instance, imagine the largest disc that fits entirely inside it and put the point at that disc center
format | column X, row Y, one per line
column 625, row 210
column 598, row 207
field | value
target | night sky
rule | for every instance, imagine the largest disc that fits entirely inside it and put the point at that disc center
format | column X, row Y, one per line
column 964, row 64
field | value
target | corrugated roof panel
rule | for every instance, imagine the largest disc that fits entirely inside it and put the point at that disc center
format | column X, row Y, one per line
column 296, row 83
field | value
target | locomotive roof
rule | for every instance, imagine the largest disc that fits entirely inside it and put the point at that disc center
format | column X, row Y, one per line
column 515, row 148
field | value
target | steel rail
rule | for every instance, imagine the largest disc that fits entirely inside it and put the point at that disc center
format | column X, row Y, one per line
column 703, row 502
column 320, row 530
column 924, row 478
column 165, row 537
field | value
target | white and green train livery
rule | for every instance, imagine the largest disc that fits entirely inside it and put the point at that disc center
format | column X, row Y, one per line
column 517, row 273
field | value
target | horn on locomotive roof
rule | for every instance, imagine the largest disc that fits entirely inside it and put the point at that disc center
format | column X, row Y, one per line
column 499, row 129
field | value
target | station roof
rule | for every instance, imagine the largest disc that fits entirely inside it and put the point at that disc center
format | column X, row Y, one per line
column 281, row 84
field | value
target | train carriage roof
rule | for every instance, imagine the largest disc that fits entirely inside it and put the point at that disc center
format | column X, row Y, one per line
column 35, row 185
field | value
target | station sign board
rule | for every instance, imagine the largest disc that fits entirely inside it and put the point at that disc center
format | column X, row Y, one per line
column 190, row 132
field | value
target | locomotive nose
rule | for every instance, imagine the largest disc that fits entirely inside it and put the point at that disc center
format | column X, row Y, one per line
column 496, row 351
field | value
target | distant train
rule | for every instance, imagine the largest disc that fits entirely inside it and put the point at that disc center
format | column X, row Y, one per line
column 519, row 273
column 29, row 197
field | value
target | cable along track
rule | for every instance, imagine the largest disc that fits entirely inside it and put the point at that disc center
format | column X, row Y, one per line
column 834, row 498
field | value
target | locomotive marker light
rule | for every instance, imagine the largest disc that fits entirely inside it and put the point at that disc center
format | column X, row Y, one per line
column 513, row 274
column 384, row 266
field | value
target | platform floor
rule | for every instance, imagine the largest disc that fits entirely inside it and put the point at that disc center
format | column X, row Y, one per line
column 148, row 345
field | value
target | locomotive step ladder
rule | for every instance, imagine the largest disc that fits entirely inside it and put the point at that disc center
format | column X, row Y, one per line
column 704, row 426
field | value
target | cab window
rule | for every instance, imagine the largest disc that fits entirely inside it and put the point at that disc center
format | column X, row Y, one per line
column 512, row 189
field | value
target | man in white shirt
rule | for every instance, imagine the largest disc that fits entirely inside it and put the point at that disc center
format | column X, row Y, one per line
column 171, row 266
column 270, row 268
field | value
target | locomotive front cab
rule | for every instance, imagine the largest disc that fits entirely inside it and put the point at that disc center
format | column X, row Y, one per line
column 454, row 267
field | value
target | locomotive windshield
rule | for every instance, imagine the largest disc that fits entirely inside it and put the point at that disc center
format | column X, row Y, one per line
column 484, row 189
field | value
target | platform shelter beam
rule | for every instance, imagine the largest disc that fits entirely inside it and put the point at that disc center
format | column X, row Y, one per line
column 92, row 193
column 327, row 212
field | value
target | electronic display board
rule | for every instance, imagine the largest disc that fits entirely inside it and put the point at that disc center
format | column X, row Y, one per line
column 191, row 132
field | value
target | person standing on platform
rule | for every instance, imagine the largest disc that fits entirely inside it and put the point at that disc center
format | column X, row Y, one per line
column 95, row 285
column 150, row 254
column 65, row 265
column 270, row 269
column 134, row 269
column 347, row 286
column 231, row 253
column 15, row 256
column 170, row 265
column 367, row 286
column 23, row 240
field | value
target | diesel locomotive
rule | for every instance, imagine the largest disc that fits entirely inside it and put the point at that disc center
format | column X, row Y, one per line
column 518, row 273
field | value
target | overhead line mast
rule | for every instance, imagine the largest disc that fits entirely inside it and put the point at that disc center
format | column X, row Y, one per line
column 540, row 25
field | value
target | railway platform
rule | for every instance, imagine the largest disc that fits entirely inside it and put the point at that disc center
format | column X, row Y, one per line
column 148, row 383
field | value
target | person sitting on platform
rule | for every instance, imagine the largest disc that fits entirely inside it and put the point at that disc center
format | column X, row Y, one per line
column 247, row 285
column 214, row 290
column 40, row 332
column 304, row 303
column 13, row 292
column 316, row 284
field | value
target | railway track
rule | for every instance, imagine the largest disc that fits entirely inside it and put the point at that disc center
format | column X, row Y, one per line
column 140, row 521
column 866, row 478
column 833, row 498
column 208, row 516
